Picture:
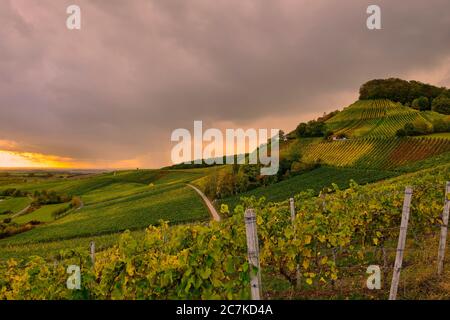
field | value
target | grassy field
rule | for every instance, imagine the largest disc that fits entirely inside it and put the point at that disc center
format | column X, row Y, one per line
column 50, row 250
column 43, row 214
column 14, row 204
column 115, row 202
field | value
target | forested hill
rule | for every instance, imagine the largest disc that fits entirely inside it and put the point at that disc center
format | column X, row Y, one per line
column 413, row 94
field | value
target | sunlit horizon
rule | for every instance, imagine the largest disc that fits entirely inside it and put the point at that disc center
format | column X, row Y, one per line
column 13, row 160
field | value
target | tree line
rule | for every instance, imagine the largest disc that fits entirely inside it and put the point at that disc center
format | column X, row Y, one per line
column 414, row 94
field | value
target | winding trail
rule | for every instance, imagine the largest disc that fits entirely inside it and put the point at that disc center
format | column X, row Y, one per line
column 81, row 206
column 215, row 215
column 21, row 212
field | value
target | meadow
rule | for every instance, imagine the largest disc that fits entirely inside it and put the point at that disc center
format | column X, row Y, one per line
column 112, row 202
column 13, row 205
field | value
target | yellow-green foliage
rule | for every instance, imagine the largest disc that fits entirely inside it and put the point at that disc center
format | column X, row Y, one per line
column 377, row 118
column 210, row 261
column 43, row 214
column 14, row 205
column 382, row 153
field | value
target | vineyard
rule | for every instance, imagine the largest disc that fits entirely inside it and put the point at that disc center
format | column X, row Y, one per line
column 375, row 153
column 332, row 237
column 315, row 180
column 319, row 245
column 113, row 202
column 376, row 118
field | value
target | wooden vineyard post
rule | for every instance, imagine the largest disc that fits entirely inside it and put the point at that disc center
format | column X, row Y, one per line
column 253, row 253
column 292, row 208
column 401, row 244
column 444, row 229
column 92, row 249
column 298, row 275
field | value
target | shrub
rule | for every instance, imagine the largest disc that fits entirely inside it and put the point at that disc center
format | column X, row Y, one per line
column 421, row 104
column 441, row 125
column 401, row 133
column 398, row 90
column 416, row 128
column 312, row 128
column 58, row 213
column 441, row 104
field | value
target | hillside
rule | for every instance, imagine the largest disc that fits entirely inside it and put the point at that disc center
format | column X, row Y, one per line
column 375, row 153
column 57, row 215
column 111, row 202
column 377, row 118
column 116, row 201
column 363, row 146
column 369, row 128
column 332, row 239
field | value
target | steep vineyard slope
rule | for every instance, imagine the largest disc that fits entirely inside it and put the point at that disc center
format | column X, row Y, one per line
column 376, row 118
column 375, row 153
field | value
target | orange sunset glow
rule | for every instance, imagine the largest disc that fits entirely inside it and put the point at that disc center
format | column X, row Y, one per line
column 13, row 159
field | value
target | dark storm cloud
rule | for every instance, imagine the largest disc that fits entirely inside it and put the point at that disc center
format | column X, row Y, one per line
column 139, row 69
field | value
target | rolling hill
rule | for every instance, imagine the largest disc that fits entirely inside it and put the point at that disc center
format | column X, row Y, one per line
column 112, row 202
column 371, row 150
column 371, row 127
column 132, row 200
column 377, row 118
column 140, row 256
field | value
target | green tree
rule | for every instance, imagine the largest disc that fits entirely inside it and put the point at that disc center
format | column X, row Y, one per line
column 421, row 103
column 441, row 125
column 441, row 104
column 313, row 128
column 416, row 128
column 401, row 133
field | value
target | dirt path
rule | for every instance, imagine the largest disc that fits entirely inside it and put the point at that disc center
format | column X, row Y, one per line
column 21, row 211
column 81, row 205
column 215, row 215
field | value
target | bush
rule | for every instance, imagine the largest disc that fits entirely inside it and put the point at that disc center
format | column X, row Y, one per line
column 328, row 135
column 416, row 128
column 441, row 104
column 312, row 128
column 49, row 197
column 421, row 104
column 13, row 192
column 401, row 133
column 441, row 125
column 58, row 213
column 398, row 90
column 300, row 167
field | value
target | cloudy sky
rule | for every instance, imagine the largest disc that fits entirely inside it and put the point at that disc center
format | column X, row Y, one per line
column 110, row 94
